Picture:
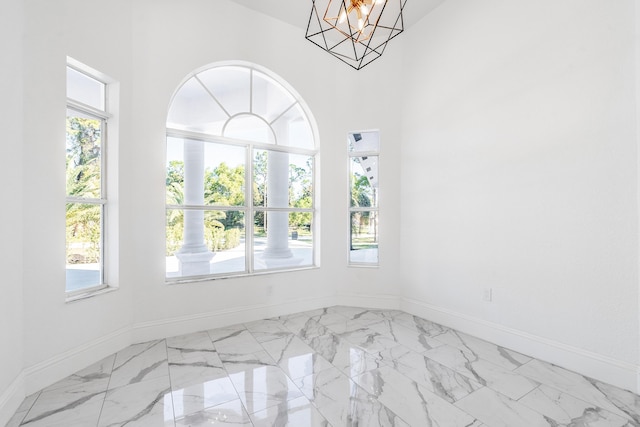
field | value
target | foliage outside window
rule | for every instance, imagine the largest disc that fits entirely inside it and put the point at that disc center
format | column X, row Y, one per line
column 85, row 181
column 363, row 210
column 240, row 176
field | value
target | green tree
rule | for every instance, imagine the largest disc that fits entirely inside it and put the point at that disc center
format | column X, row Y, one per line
column 83, row 176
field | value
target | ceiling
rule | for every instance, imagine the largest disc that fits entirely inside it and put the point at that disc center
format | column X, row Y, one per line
column 297, row 12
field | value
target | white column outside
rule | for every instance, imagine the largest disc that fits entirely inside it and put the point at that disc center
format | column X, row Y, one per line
column 194, row 256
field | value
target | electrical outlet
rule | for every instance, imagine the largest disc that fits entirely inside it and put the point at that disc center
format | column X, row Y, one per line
column 487, row 295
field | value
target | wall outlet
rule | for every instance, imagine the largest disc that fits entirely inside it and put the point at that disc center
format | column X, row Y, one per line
column 487, row 295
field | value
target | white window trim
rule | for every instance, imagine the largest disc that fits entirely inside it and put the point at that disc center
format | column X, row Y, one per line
column 108, row 116
column 351, row 209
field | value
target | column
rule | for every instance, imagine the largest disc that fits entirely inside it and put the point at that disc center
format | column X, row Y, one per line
column 277, row 197
column 194, row 256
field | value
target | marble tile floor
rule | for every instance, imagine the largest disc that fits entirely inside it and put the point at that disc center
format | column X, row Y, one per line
column 338, row 366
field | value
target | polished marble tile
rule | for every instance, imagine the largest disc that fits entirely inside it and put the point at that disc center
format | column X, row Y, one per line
column 140, row 362
column 295, row 357
column 230, row 413
column 490, row 352
column 199, row 397
column 509, row 383
column 435, row 377
column 412, row 402
column 343, row 403
column 264, row 387
column 294, row 413
column 336, row 366
column 580, row 387
column 498, row 410
column 565, row 409
column 145, row 403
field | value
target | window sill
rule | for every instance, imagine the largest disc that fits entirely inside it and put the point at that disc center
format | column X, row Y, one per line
column 90, row 294
column 235, row 276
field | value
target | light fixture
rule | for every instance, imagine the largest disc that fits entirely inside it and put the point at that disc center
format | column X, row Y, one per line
column 355, row 31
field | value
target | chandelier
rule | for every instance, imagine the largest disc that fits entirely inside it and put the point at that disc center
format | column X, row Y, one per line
column 355, row 31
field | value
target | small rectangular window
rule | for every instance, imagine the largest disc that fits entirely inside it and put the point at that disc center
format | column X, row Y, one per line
column 363, row 191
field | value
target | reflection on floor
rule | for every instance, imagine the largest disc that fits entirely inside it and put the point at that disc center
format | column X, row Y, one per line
column 339, row 366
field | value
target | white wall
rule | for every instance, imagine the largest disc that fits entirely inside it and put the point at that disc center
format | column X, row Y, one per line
column 148, row 47
column 520, row 175
column 62, row 337
column 173, row 38
column 11, row 325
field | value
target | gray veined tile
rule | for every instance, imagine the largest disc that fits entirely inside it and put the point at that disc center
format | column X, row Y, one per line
column 192, row 360
column 309, row 330
column 415, row 340
column 490, row 352
column 415, row 404
column 146, row 403
column 370, row 340
column 347, row 357
column 65, row 408
column 140, row 362
column 226, row 414
column 346, row 311
column 509, row 383
column 267, row 330
column 220, row 334
column 576, row 385
column 627, row 402
column 235, row 342
column 237, row 362
column 28, row 402
column 564, row 409
column 298, row 412
column 263, row 387
column 196, row 346
column 419, row 324
column 200, row 397
column 327, row 318
column 94, row 378
column 343, row 403
column 295, row 357
column 16, row 419
column 344, row 326
column 497, row 410
column 435, row 377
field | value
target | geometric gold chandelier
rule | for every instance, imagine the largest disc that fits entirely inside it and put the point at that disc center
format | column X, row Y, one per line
column 355, row 31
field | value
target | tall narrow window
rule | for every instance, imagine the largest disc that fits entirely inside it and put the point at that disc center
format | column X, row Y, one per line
column 241, row 167
column 85, row 180
column 364, row 150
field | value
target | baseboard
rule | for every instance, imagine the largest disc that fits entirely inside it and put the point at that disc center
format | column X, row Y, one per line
column 11, row 399
column 603, row 368
column 164, row 328
column 387, row 302
column 62, row 365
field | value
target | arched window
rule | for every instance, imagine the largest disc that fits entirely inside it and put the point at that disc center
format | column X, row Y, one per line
column 241, row 167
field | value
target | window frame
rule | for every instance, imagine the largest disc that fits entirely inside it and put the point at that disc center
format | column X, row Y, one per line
column 351, row 154
column 249, row 209
column 104, row 116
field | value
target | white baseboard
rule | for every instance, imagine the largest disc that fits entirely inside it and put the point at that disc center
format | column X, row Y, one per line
column 11, row 399
column 164, row 328
column 62, row 365
column 603, row 368
column 387, row 302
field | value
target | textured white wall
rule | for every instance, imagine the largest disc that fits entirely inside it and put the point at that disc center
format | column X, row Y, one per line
column 520, row 169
